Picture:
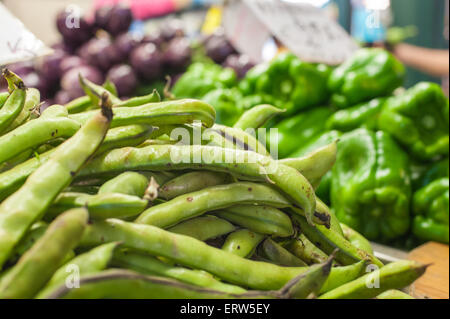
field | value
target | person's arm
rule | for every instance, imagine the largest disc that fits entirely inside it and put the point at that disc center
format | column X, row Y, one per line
column 431, row 61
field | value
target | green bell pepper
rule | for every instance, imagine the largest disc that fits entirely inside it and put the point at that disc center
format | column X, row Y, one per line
column 323, row 191
column 295, row 132
column 424, row 174
column 419, row 120
column 294, row 85
column 431, row 207
column 362, row 115
column 368, row 74
column 201, row 78
column 371, row 186
column 225, row 102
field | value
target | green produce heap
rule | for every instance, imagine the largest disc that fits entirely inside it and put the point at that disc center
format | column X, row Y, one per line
column 98, row 185
column 388, row 183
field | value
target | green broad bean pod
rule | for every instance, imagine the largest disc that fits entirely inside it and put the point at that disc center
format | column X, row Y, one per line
column 38, row 264
column 12, row 108
column 128, row 183
column 260, row 219
column 34, row 134
column 252, row 166
column 93, row 261
column 316, row 165
column 196, row 254
column 149, row 265
column 304, row 249
column 192, row 182
column 257, row 116
column 328, row 240
column 278, row 255
column 242, row 243
column 392, row 276
column 209, row 199
column 163, row 113
column 32, row 100
column 30, row 202
column 203, row 228
column 153, row 97
column 100, row 206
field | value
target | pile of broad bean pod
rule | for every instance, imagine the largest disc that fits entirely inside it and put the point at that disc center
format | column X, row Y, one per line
column 114, row 194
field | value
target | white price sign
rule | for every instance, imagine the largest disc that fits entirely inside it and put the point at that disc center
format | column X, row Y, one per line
column 304, row 29
column 17, row 43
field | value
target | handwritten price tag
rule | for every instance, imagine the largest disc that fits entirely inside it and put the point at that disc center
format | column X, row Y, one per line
column 304, row 29
column 16, row 42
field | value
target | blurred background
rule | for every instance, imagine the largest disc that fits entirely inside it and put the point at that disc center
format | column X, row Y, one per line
column 430, row 17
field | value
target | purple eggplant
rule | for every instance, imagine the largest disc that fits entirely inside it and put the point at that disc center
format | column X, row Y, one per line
column 74, row 29
column 125, row 43
column 147, row 61
column 50, row 66
column 172, row 29
column 70, row 80
column 114, row 19
column 62, row 97
column 218, row 48
column 177, row 55
column 70, row 62
column 100, row 52
column 239, row 63
column 155, row 37
column 124, row 78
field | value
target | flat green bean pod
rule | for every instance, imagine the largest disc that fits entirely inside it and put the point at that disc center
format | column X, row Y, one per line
column 392, row 276
column 394, row 294
column 95, row 91
column 80, row 104
column 38, row 264
column 242, row 242
column 33, row 97
column 30, row 202
column 196, row 254
column 203, row 228
column 149, row 265
column 153, row 97
column 36, row 231
column 12, row 108
column 192, row 182
column 13, row 179
column 130, row 135
column 93, row 261
column 3, row 97
column 315, row 165
column 279, row 255
column 357, row 239
column 101, row 206
column 304, row 249
column 257, row 116
column 328, row 240
column 246, row 165
column 260, row 219
column 124, row 284
column 128, row 183
column 209, row 199
column 35, row 133
column 163, row 113
column 310, row 283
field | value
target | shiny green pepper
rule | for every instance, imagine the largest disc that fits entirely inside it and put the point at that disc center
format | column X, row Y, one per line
column 362, row 115
column 294, row 85
column 201, row 78
column 419, row 120
column 368, row 74
column 323, row 191
column 371, row 186
column 431, row 207
column 295, row 132
column 225, row 102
